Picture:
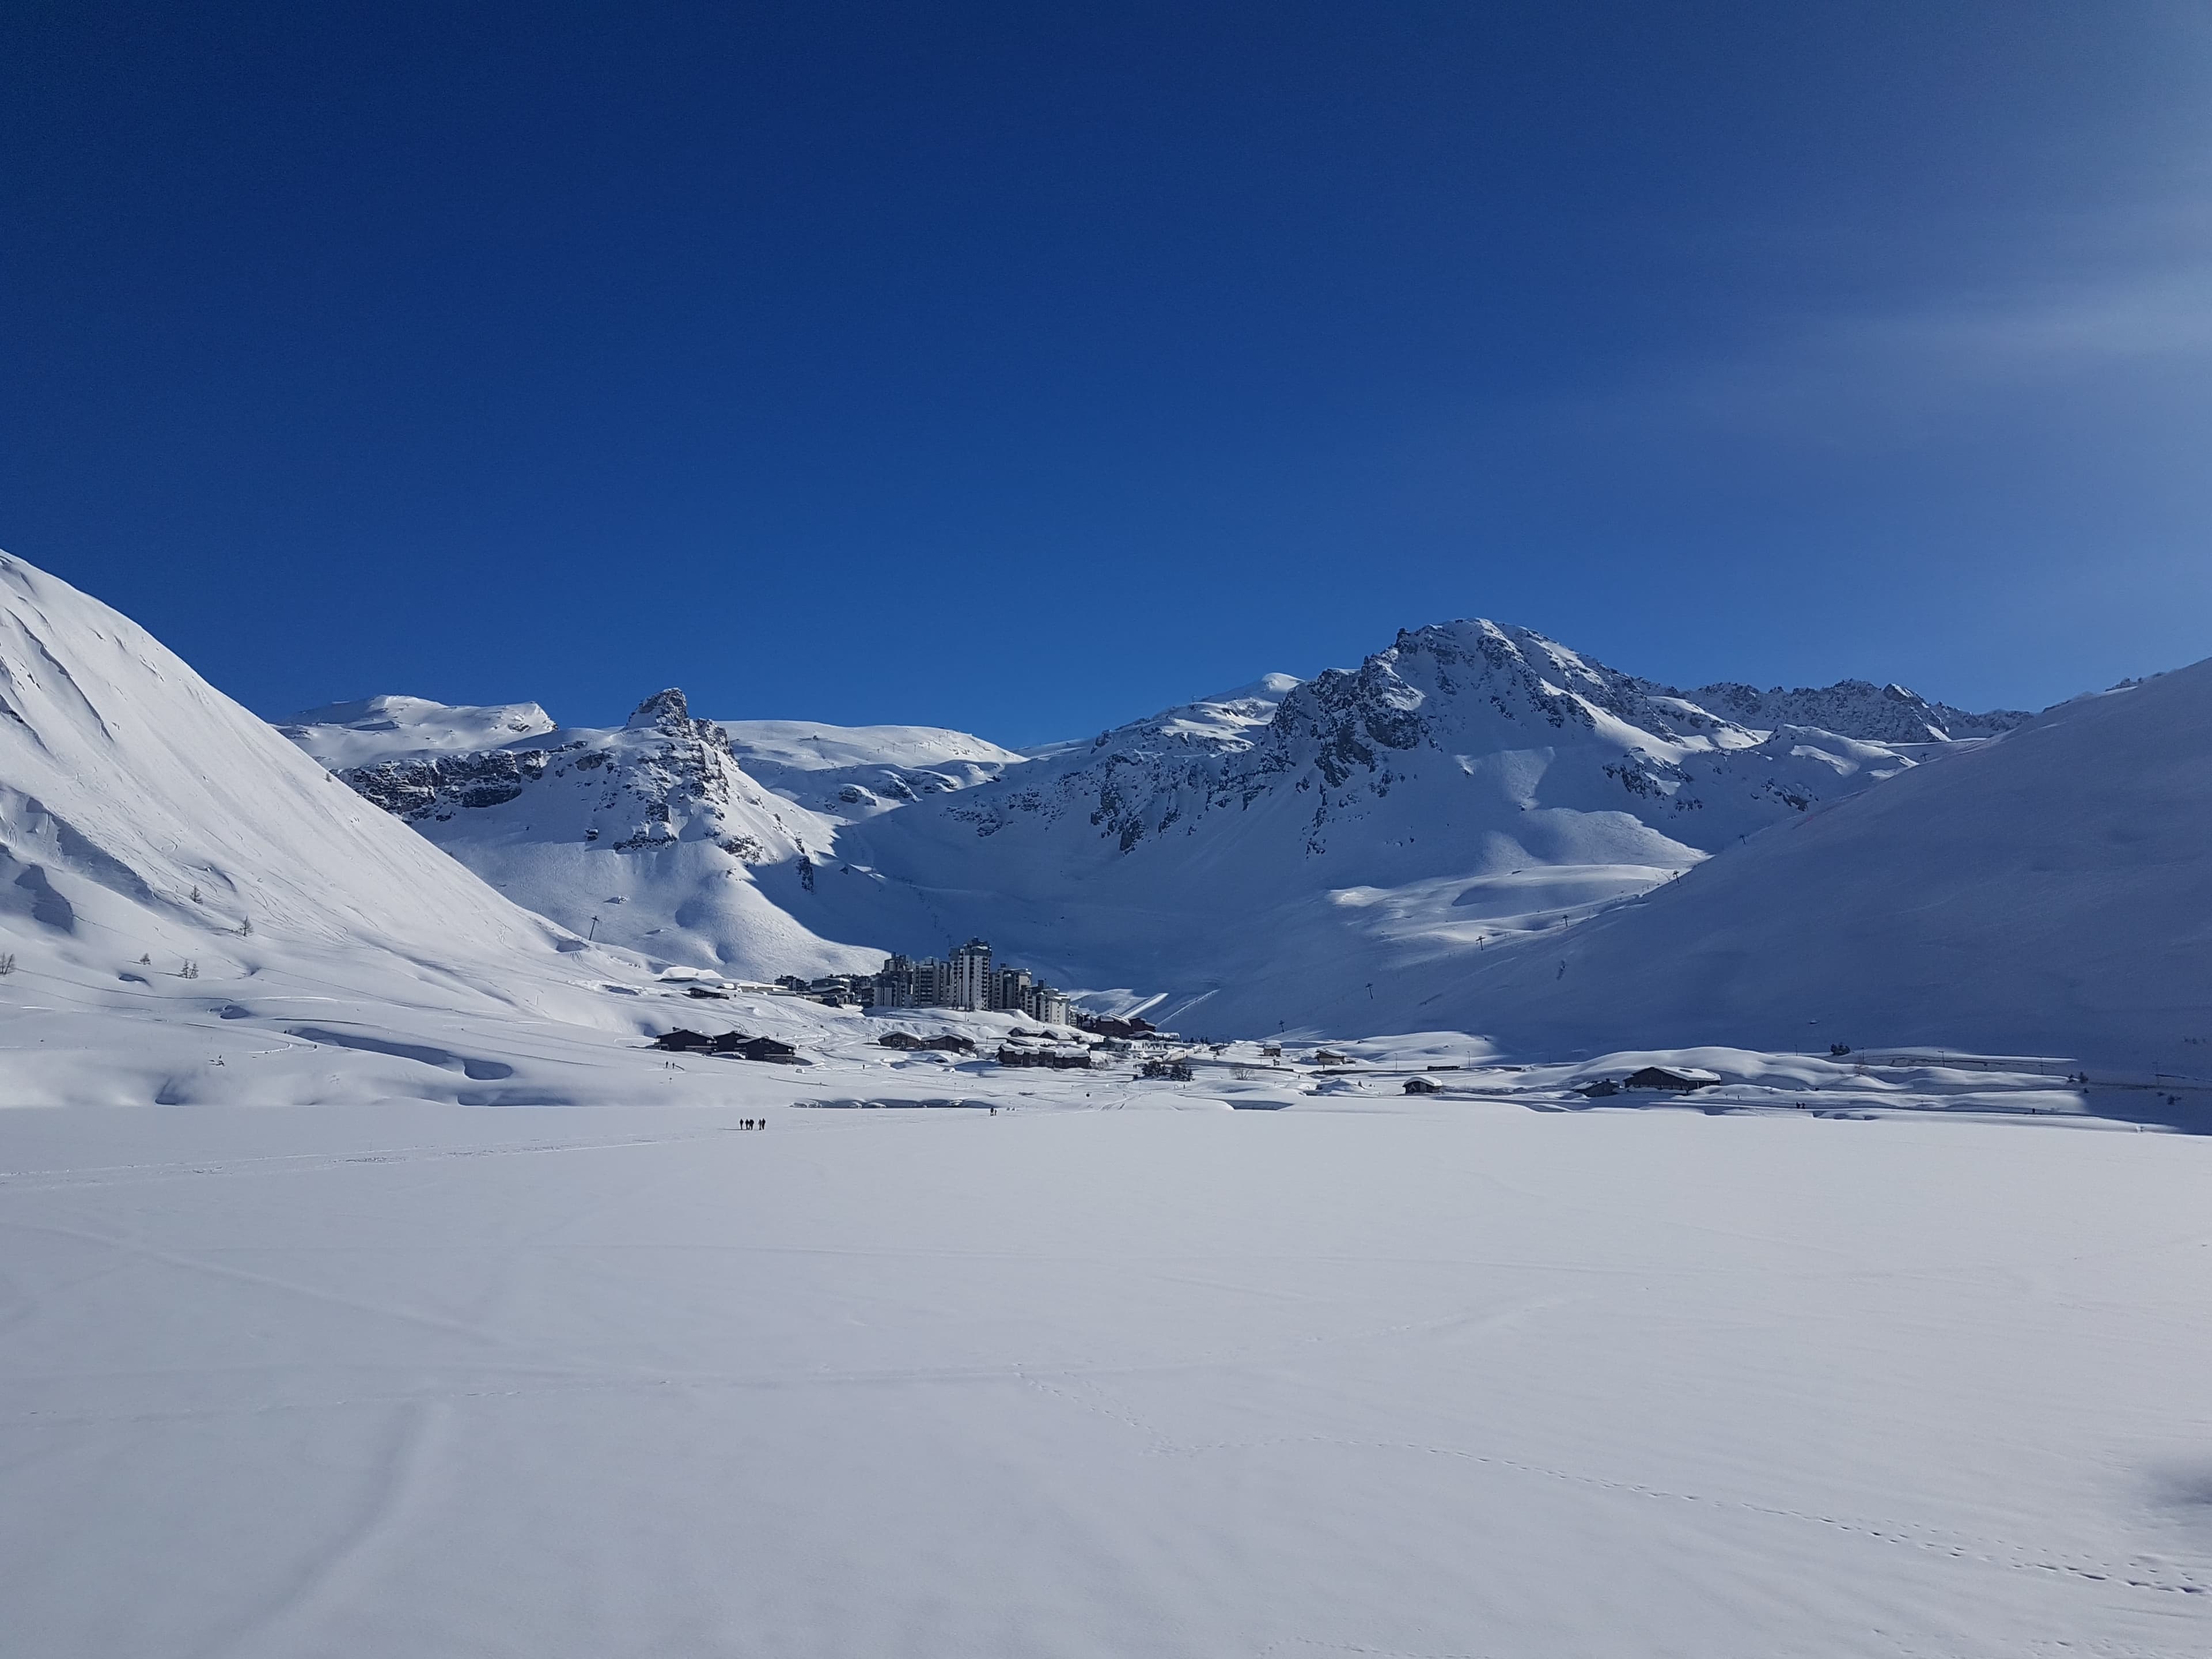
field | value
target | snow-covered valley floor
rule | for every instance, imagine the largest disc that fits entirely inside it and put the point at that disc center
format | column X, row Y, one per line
column 1371, row 1375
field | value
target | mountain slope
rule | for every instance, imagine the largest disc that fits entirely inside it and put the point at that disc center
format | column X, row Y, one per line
column 371, row 729
column 1250, row 859
column 855, row 771
column 1260, row 859
column 2048, row 892
column 649, row 835
column 1881, row 713
column 191, row 908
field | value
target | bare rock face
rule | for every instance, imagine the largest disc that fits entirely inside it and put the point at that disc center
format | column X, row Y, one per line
column 665, row 711
column 417, row 789
column 1858, row 708
column 662, row 779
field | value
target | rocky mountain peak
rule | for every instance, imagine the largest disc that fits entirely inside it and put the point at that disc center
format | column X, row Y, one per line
column 664, row 710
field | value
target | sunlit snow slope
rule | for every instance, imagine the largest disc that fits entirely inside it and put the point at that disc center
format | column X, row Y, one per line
column 190, row 909
column 649, row 835
column 855, row 771
column 371, row 729
column 1245, row 861
column 2048, row 893
column 1263, row 858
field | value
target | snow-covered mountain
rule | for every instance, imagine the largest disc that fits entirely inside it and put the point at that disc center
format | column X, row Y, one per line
column 1476, row 829
column 190, row 909
column 1470, row 783
column 649, row 835
column 855, row 771
column 1258, row 859
column 1454, row 720
column 371, row 729
column 1881, row 713
column 2048, row 892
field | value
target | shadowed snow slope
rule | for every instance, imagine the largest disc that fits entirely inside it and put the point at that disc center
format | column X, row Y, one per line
column 191, row 908
column 129, row 781
column 2049, row 893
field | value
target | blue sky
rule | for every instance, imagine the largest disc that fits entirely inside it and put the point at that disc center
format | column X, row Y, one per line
column 1027, row 368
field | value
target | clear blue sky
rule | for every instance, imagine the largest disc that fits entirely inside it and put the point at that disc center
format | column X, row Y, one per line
column 1028, row 367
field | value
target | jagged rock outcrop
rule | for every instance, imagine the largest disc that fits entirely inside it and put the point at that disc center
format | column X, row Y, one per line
column 664, row 777
column 649, row 833
column 1466, row 703
column 1858, row 708
column 664, row 711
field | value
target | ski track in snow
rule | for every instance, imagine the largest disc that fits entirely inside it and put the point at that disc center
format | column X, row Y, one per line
column 1202, row 1308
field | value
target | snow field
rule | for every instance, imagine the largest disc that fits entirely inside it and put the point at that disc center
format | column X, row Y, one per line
column 1412, row 1379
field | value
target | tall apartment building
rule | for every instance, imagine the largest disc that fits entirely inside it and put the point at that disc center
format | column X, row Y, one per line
column 1013, row 989
column 968, row 981
column 971, row 986
column 906, row 983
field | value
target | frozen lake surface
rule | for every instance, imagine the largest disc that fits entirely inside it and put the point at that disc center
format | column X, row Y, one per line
column 1372, row 1376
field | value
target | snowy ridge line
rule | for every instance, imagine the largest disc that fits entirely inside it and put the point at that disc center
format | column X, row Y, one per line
column 1473, row 784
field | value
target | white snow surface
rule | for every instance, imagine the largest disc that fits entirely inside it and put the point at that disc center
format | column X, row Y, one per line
column 2051, row 892
column 371, row 729
column 851, row 771
column 1363, row 1377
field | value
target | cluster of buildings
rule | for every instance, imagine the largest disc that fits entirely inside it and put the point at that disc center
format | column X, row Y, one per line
column 966, row 979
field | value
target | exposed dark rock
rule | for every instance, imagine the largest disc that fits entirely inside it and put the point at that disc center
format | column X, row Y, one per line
column 666, row 710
